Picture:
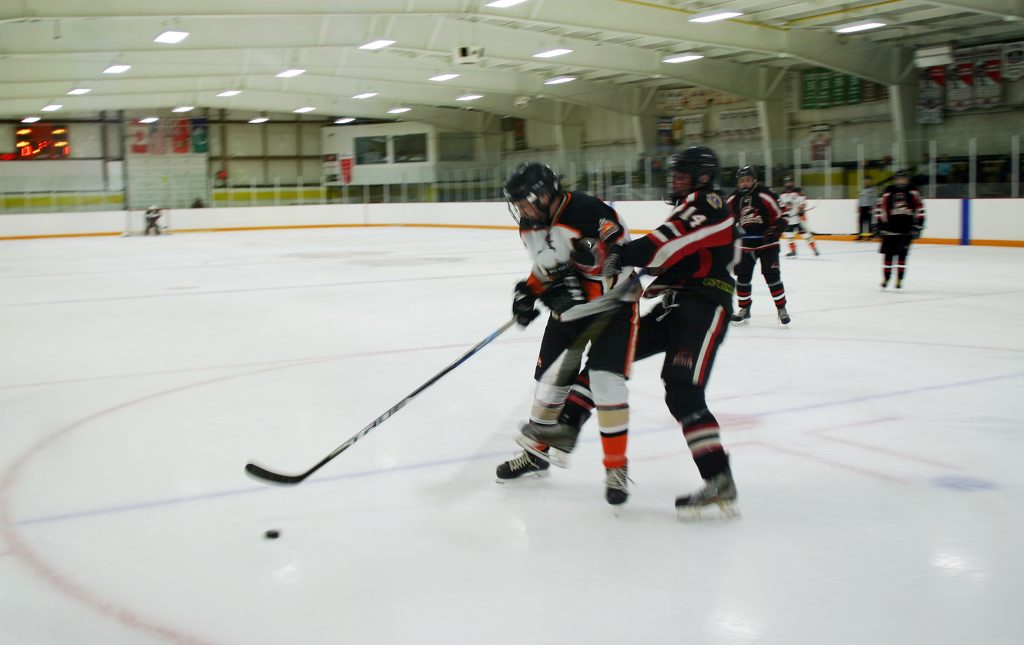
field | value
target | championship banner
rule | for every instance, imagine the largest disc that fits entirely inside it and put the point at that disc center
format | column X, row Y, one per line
column 688, row 130
column 664, row 134
column 930, row 88
column 1013, row 61
column 345, row 165
column 139, row 135
column 988, row 86
column 960, row 83
column 200, row 136
column 820, row 141
column 739, row 124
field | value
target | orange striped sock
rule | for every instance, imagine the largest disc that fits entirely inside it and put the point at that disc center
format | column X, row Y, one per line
column 614, row 449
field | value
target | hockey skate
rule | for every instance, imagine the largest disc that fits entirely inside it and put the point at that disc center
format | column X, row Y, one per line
column 885, row 282
column 791, row 254
column 720, row 490
column 783, row 316
column 522, row 464
column 899, row 283
column 559, row 439
column 616, row 488
column 741, row 316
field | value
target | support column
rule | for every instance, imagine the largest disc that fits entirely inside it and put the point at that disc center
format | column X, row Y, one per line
column 907, row 144
column 773, row 121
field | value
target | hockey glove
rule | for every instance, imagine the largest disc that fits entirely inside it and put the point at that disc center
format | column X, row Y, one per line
column 524, row 308
column 613, row 263
column 917, row 232
column 588, row 255
column 563, row 294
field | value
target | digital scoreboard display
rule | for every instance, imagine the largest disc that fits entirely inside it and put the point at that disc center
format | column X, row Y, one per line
column 42, row 141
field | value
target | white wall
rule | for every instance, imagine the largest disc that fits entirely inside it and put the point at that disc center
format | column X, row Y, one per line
column 992, row 219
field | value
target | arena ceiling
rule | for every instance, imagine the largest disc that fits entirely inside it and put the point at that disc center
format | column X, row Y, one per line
column 50, row 47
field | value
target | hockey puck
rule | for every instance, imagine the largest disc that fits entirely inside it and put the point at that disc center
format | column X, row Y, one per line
column 272, row 534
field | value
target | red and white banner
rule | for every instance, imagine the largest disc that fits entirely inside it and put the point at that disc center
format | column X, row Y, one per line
column 960, row 84
column 930, row 88
column 345, row 165
column 988, row 85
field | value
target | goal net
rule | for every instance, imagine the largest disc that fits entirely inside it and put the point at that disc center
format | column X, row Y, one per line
column 136, row 223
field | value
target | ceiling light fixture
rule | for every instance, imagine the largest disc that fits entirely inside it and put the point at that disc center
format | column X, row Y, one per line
column 117, row 69
column 184, row 108
column 365, row 95
column 53, row 107
column 715, row 16
column 30, row 119
column 443, row 77
column 398, row 110
column 230, row 93
column 558, row 80
column 345, row 119
column 681, row 58
column 289, row 73
column 853, row 27
column 303, row 110
column 551, row 53
column 259, row 119
column 469, row 97
column 149, row 119
column 171, row 37
column 377, row 44
column 79, row 90
column 501, row 4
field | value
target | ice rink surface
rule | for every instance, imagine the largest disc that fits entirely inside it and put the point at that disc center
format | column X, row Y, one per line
column 877, row 444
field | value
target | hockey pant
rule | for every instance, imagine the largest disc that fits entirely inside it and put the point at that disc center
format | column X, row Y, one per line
column 894, row 250
column 612, row 343
column 769, row 258
column 793, row 231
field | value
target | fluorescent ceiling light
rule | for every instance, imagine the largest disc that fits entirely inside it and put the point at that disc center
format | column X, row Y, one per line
column 558, row 80
column 184, row 108
column 288, row 73
column 398, row 110
column 551, row 53
column 469, row 97
column 79, row 90
column 443, row 77
column 53, row 107
column 171, row 37
column 117, row 69
column 852, row 27
column 365, row 95
column 230, row 93
column 259, row 119
column 344, row 119
column 149, row 119
column 303, row 110
column 377, row 44
column 501, row 4
column 30, row 119
column 715, row 16
column 681, row 58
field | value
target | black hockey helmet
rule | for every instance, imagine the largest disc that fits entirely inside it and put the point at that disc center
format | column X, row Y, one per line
column 902, row 173
column 746, row 171
column 788, row 179
column 700, row 162
column 530, row 181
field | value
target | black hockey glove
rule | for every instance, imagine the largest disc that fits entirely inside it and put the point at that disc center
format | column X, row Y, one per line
column 524, row 303
column 563, row 294
column 917, row 232
column 613, row 263
column 588, row 255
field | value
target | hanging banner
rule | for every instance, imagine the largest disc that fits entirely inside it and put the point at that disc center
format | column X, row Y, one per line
column 345, row 164
column 739, row 124
column 200, row 136
column 664, row 134
column 181, row 136
column 930, row 89
column 139, row 135
column 820, row 141
column 988, row 86
column 960, row 81
column 688, row 130
column 1013, row 61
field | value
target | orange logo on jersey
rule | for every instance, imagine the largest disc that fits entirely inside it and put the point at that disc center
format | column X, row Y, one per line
column 606, row 228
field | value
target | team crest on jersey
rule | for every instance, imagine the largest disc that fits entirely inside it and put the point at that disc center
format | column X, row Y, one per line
column 606, row 228
column 714, row 200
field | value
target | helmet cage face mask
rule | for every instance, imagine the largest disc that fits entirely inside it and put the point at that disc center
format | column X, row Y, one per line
column 746, row 172
column 529, row 193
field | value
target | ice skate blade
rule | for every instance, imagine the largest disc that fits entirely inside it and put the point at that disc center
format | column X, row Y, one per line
column 537, row 474
column 553, row 456
column 708, row 513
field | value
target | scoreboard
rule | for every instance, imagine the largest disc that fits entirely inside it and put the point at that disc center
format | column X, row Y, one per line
column 42, row 141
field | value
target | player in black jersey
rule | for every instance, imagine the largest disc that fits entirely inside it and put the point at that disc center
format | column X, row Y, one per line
column 760, row 219
column 692, row 254
column 551, row 221
column 900, row 222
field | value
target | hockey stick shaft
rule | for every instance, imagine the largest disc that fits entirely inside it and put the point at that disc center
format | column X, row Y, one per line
column 278, row 478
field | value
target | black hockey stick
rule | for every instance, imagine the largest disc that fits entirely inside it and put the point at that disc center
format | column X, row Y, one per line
column 278, row 478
